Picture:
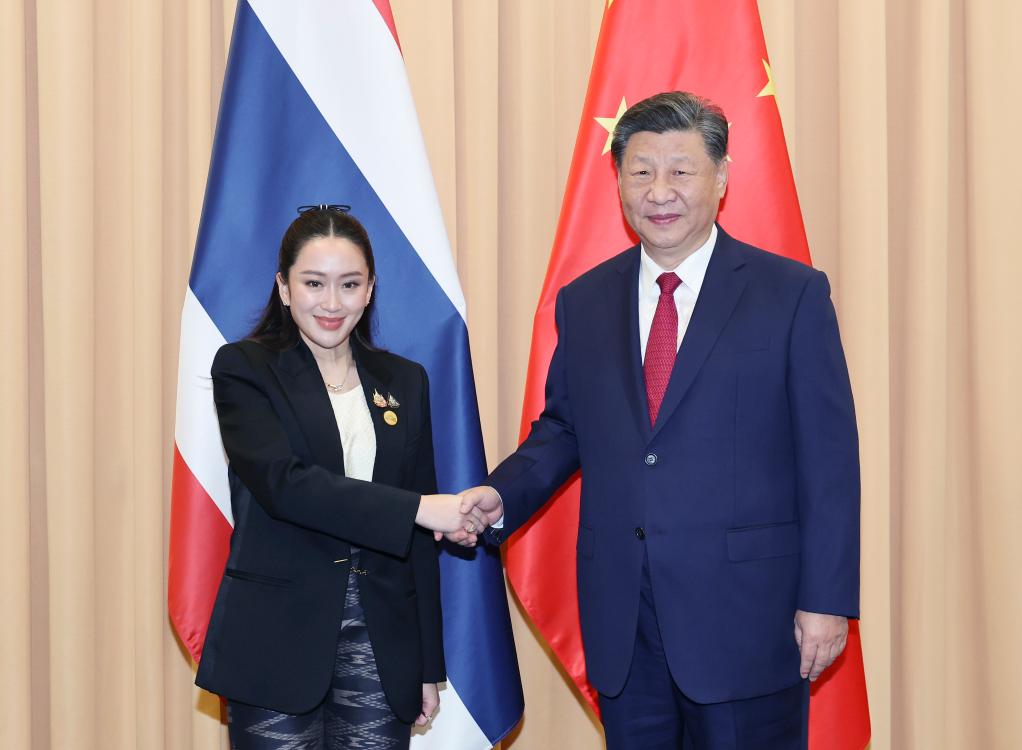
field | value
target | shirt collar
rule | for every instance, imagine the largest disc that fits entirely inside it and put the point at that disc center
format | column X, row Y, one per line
column 692, row 270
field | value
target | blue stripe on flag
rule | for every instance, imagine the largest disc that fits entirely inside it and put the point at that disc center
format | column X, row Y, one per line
column 273, row 151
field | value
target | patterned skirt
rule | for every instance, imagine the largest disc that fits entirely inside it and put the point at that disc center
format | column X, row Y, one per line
column 354, row 715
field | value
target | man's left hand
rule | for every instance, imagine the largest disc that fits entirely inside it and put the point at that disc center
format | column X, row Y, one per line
column 821, row 639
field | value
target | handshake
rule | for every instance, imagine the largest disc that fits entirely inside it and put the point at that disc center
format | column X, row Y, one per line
column 462, row 517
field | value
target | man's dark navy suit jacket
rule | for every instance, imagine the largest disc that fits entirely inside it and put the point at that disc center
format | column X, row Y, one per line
column 744, row 496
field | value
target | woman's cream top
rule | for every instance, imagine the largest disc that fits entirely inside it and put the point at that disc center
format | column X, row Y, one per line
column 358, row 438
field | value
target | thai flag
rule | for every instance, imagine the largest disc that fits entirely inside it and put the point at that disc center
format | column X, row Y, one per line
column 316, row 108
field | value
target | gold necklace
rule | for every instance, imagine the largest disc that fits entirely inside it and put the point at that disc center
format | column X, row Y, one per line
column 339, row 387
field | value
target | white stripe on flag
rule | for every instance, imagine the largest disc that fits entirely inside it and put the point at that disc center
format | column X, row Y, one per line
column 452, row 729
column 197, row 431
column 346, row 59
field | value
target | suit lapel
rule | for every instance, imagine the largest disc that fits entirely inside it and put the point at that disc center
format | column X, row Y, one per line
column 299, row 376
column 623, row 343
column 390, row 438
column 722, row 288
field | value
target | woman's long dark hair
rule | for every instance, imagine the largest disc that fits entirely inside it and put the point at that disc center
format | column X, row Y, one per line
column 276, row 329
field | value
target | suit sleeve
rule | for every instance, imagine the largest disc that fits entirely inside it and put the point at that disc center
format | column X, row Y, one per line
column 290, row 490
column 528, row 477
column 827, row 456
column 425, row 561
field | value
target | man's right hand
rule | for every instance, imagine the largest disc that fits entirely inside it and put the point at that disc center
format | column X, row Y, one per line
column 484, row 500
column 479, row 504
column 442, row 514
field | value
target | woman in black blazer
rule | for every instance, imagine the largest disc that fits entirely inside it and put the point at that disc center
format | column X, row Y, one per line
column 326, row 631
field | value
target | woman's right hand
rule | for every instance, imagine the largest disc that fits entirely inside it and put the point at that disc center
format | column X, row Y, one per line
column 442, row 515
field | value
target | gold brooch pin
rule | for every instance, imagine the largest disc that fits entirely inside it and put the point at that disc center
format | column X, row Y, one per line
column 390, row 417
column 378, row 399
column 392, row 402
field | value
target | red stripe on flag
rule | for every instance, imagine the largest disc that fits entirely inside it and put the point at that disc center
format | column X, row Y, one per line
column 716, row 50
column 383, row 6
column 199, row 542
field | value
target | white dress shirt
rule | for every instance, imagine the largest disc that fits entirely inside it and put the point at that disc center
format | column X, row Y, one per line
column 691, row 272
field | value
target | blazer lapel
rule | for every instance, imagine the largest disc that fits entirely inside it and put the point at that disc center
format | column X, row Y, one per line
column 390, row 436
column 623, row 343
column 721, row 290
column 299, row 376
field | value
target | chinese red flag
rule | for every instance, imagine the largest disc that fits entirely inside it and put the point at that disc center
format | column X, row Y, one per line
column 716, row 50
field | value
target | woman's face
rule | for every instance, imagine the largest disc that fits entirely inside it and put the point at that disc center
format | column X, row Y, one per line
column 327, row 289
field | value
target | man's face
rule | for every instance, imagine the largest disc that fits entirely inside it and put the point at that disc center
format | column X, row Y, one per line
column 670, row 190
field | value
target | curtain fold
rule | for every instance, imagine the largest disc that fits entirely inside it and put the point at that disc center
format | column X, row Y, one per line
column 15, row 531
column 901, row 118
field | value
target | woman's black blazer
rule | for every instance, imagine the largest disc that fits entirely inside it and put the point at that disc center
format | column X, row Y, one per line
column 273, row 632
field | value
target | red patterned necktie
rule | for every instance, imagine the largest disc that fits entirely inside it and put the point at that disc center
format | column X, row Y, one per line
column 662, row 345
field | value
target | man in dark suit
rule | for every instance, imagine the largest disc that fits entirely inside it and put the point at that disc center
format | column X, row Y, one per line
column 700, row 385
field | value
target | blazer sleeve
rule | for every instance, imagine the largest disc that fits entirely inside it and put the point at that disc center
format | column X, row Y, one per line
column 259, row 452
column 528, row 477
column 827, row 456
column 425, row 560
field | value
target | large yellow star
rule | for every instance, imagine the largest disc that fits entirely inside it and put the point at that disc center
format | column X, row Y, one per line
column 609, row 123
column 769, row 89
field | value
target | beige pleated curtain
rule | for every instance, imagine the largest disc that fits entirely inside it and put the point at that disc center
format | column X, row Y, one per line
column 902, row 119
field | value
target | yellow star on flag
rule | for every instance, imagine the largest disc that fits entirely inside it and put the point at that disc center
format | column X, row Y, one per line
column 609, row 123
column 769, row 89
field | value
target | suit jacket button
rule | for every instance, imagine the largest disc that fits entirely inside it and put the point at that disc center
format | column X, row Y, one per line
column 640, row 532
column 650, row 459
